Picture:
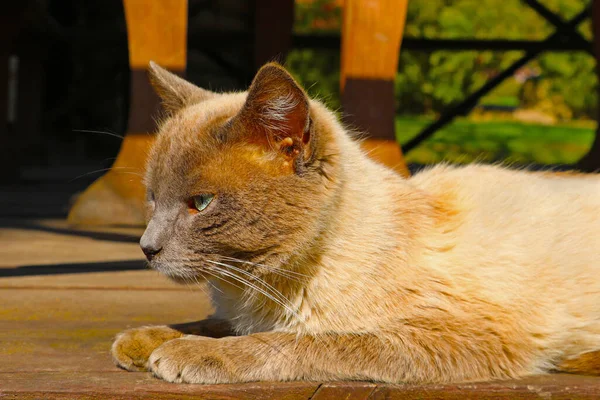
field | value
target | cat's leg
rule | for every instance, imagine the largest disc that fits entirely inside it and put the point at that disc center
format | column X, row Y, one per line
column 132, row 348
column 276, row 356
column 585, row 364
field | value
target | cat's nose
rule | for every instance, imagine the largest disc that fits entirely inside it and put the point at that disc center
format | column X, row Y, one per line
column 150, row 251
column 156, row 234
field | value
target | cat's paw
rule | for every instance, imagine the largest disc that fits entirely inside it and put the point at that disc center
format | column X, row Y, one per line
column 132, row 348
column 192, row 360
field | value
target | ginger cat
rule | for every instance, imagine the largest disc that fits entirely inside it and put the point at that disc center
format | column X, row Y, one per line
column 328, row 266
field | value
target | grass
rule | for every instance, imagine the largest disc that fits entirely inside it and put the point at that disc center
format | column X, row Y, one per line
column 465, row 141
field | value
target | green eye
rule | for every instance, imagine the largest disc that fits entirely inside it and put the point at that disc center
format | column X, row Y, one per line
column 202, row 201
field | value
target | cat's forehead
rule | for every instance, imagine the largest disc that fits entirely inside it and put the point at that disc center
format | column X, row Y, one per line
column 196, row 124
column 199, row 120
column 187, row 140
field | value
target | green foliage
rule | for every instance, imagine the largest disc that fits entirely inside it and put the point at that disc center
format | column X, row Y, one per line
column 466, row 141
column 319, row 72
column 428, row 83
column 318, row 16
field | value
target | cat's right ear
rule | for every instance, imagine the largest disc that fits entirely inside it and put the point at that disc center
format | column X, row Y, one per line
column 175, row 92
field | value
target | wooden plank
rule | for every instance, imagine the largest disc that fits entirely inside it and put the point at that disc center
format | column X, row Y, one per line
column 344, row 390
column 55, row 244
column 140, row 385
column 371, row 36
column 555, row 386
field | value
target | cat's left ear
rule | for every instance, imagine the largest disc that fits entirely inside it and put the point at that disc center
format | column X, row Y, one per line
column 277, row 110
column 176, row 93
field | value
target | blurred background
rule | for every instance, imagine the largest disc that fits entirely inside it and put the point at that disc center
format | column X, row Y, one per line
column 68, row 74
column 545, row 113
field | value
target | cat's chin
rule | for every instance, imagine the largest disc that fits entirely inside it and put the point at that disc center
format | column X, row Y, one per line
column 178, row 274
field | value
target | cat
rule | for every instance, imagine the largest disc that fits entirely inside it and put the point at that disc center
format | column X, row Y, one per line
column 325, row 265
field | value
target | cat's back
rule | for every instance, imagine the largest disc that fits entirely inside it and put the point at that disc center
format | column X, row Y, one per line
column 504, row 197
column 526, row 230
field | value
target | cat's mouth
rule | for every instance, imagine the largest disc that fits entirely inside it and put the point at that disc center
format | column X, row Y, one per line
column 177, row 272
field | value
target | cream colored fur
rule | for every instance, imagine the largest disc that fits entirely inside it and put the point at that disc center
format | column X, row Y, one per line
column 456, row 274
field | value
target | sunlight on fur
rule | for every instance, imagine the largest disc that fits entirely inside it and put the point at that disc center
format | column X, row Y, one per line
column 324, row 265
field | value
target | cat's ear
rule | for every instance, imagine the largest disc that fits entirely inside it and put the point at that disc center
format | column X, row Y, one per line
column 277, row 109
column 175, row 92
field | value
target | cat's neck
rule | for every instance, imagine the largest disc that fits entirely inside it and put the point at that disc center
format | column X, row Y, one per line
column 365, row 221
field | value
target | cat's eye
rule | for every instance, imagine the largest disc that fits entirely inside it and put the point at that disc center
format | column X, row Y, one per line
column 201, row 201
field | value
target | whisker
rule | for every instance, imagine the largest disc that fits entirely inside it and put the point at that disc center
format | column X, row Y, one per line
column 276, row 292
column 108, row 169
column 252, row 276
column 224, row 280
column 281, row 271
column 252, row 286
column 281, row 302
column 99, row 132
column 212, row 285
column 221, row 271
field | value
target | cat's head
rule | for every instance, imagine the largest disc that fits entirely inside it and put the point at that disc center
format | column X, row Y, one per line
column 236, row 176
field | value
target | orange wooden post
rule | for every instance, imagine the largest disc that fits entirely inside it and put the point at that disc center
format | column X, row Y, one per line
column 371, row 37
column 156, row 30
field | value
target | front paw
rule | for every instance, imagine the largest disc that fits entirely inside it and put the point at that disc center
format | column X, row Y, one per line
column 192, row 360
column 132, row 348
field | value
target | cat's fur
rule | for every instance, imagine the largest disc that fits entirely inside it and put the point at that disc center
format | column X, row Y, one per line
column 456, row 274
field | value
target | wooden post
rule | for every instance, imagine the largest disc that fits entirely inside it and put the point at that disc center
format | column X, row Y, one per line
column 371, row 37
column 591, row 161
column 156, row 30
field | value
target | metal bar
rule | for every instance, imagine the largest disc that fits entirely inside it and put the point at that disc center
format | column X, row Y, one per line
column 468, row 103
column 332, row 42
column 570, row 34
column 543, row 11
column 493, row 44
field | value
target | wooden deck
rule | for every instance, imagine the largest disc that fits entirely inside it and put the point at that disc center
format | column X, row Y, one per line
column 65, row 293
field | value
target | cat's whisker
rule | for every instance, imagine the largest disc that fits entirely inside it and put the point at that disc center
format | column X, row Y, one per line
column 99, row 132
column 206, row 271
column 280, row 271
column 268, row 291
column 259, row 265
column 252, row 276
column 115, row 169
column 220, row 278
column 264, row 292
column 211, row 284
column 194, row 278
column 257, row 288
column 260, row 280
